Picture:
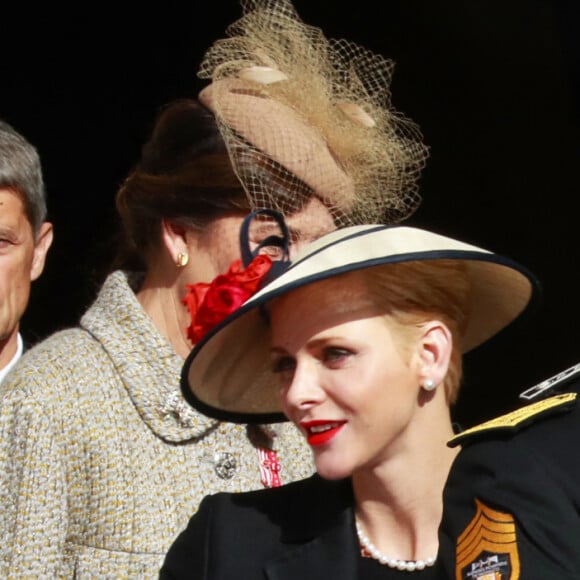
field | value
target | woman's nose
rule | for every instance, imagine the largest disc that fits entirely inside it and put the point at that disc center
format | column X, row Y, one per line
column 304, row 390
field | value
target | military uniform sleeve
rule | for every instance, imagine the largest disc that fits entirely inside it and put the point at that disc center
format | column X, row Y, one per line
column 33, row 515
column 512, row 504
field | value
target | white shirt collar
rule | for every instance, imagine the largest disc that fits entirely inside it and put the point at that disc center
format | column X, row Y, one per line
column 17, row 355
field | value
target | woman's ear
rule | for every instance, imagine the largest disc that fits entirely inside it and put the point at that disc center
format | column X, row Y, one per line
column 435, row 347
column 174, row 238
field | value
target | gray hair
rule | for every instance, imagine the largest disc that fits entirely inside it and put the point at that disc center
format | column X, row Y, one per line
column 20, row 170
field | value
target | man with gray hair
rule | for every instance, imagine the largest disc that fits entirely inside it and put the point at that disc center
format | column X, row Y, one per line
column 25, row 237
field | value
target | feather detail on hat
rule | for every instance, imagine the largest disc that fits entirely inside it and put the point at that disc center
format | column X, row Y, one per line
column 357, row 114
column 263, row 75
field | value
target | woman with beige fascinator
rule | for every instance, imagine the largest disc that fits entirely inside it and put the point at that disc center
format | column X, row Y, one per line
column 359, row 344
column 102, row 462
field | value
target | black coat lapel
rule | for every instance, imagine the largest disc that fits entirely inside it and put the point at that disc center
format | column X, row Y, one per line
column 329, row 549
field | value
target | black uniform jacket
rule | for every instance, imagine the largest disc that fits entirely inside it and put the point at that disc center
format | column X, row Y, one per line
column 512, row 500
column 300, row 531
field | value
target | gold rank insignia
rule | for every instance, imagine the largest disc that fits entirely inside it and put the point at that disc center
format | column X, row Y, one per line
column 518, row 418
column 487, row 549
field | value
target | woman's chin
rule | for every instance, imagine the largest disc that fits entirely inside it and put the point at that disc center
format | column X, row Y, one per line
column 328, row 470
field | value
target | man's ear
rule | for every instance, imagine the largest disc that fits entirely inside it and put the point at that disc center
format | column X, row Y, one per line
column 435, row 347
column 42, row 245
column 174, row 237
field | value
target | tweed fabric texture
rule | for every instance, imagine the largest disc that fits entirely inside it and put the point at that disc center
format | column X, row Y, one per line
column 102, row 463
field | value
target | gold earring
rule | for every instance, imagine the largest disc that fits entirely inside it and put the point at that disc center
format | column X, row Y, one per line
column 182, row 259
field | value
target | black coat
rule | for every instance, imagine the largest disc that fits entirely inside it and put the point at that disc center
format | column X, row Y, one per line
column 512, row 500
column 301, row 531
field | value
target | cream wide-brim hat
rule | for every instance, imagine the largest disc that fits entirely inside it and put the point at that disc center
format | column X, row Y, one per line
column 228, row 374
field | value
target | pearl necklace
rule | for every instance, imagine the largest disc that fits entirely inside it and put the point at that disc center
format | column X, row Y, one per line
column 404, row 565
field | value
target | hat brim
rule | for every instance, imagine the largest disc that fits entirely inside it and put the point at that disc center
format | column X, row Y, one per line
column 227, row 375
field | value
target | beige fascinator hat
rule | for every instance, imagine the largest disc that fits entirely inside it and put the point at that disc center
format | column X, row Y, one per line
column 227, row 375
column 304, row 116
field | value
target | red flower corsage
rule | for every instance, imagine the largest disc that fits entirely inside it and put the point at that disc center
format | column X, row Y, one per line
column 209, row 304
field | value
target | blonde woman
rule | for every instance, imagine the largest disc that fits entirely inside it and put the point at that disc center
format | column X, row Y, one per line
column 359, row 344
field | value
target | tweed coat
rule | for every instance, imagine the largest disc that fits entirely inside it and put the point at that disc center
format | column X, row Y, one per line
column 102, row 462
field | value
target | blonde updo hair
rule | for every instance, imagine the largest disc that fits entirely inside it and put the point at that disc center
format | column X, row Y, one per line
column 412, row 293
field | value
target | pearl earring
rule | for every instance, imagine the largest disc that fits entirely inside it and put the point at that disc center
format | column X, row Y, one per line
column 182, row 259
column 429, row 385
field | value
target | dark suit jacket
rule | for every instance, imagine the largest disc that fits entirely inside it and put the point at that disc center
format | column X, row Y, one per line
column 300, row 531
column 525, row 476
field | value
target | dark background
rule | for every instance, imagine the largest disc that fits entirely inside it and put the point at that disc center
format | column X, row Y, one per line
column 494, row 85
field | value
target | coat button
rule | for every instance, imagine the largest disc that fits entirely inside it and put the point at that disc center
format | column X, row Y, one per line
column 225, row 464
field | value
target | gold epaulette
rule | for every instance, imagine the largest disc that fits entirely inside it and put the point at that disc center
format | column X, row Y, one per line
column 515, row 420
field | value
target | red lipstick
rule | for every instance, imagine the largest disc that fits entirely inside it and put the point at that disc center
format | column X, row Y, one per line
column 320, row 432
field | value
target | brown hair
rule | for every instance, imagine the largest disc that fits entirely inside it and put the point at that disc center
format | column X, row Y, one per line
column 184, row 175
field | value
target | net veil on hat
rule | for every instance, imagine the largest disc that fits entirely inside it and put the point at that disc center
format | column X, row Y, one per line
column 227, row 375
column 304, row 115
